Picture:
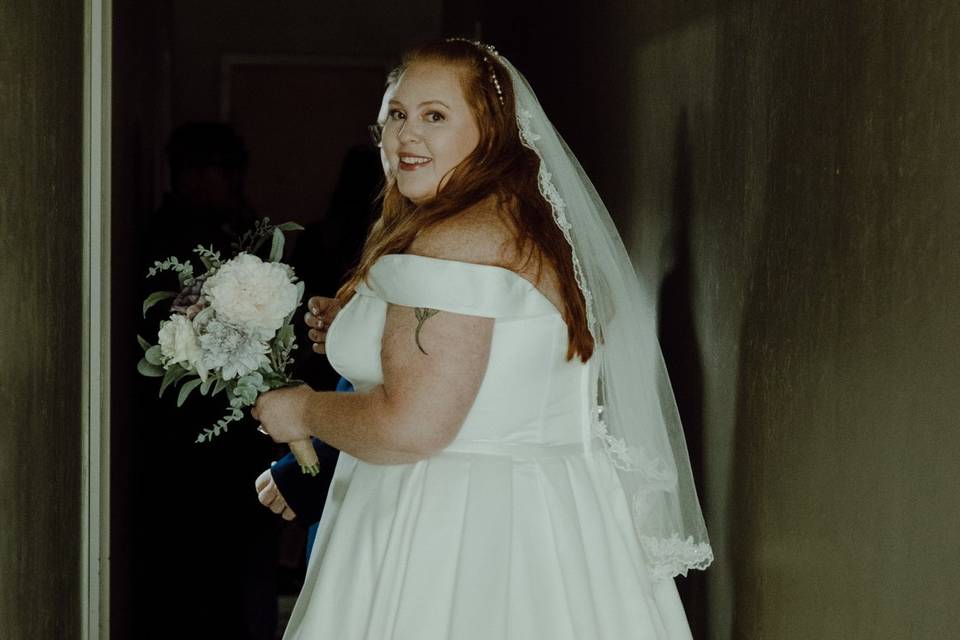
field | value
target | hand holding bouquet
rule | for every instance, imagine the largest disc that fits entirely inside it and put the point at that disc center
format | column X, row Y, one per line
column 229, row 329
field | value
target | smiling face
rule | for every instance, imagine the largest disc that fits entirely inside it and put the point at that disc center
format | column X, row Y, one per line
column 430, row 129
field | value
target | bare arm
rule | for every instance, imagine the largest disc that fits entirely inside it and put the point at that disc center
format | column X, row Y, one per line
column 433, row 364
column 424, row 398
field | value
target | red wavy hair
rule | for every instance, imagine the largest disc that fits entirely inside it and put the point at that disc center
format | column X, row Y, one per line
column 500, row 166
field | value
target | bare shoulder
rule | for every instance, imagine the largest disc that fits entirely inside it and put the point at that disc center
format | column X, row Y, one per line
column 486, row 234
column 481, row 234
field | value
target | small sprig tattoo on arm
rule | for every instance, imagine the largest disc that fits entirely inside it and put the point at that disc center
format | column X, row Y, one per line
column 422, row 315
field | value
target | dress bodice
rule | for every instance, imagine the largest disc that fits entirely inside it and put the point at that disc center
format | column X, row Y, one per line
column 530, row 394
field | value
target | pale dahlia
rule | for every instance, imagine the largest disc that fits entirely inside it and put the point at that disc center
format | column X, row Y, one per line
column 231, row 350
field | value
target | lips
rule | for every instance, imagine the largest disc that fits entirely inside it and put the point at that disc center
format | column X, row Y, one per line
column 410, row 162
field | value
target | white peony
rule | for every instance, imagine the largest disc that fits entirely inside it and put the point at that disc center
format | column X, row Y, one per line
column 250, row 293
column 179, row 344
column 231, row 350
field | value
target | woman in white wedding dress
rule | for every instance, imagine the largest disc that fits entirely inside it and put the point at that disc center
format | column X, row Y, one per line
column 511, row 463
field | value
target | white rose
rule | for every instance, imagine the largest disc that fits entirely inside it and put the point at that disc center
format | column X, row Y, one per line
column 250, row 293
column 179, row 344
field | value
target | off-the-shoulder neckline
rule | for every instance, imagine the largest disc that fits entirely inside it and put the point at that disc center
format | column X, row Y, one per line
column 510, row 272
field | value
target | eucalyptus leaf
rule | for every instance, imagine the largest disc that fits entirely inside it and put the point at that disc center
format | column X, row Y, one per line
column 156, row 297
column 173, row 375
column 154, row 355
column 289, row 226
column 248, row 394
column 219, row 386
column 205, row 387
column 253, row 379
column 276, row 247
column 143, row 343
column 285, row 335
column 149, row 370
column 186, row 390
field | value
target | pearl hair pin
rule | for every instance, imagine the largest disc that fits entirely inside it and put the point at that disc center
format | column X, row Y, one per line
column 489, row 49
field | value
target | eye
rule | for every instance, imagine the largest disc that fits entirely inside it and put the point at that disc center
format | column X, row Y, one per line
column 395, row 114
column 435, row 116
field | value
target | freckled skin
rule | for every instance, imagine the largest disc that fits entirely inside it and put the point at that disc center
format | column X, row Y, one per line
column 428, row 116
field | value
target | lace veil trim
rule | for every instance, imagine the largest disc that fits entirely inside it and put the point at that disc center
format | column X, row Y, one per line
column 669, row 554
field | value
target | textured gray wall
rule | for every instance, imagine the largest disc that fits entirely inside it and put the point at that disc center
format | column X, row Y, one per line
column 816, row 147
column 41, row 74
column 797, row 165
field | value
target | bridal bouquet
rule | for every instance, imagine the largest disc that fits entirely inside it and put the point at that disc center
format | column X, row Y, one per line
column 229, row 329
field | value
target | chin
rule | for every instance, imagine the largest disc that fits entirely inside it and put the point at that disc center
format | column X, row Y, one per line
column 418, row 196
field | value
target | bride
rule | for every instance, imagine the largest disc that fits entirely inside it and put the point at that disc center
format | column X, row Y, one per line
column 513, row 465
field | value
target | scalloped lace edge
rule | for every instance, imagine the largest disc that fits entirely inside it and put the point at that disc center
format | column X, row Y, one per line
column 669, row 556
column 550, row 193
column 674, row 556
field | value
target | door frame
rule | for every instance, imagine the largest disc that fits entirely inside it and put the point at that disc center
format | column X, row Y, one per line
column 95, row 420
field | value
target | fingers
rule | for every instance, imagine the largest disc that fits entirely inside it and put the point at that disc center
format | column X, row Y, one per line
column 319, row 339
column 268, row 494
column 321, row 310
column 257, row 407
column 270, row 497
column 320, row 304
column 263, row 480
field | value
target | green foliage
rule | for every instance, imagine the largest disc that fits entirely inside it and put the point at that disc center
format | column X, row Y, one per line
column 253, row 240
column 211, row 259
column 186, row 390
column 143, row 343
column 156, row 297
column 276, row 246
column 154, row 355
column 174, row 373
column 184, row 270
column 221, row 426
column 149, row 370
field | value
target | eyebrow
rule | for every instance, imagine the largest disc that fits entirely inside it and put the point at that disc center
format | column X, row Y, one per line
column 422, row 104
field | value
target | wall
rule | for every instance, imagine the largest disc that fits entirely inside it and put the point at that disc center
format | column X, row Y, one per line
column 41, row 124
column 790, row 171
column 203, row 31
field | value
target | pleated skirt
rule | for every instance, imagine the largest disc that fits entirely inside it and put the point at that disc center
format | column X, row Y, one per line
column 479, row 546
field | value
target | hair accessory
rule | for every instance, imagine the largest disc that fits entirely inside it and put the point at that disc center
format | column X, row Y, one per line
column 487, row 49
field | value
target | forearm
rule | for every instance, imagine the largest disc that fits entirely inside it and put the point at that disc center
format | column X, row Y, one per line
column 368, row 427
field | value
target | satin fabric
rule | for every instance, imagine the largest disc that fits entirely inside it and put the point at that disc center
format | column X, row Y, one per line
column 519, row 529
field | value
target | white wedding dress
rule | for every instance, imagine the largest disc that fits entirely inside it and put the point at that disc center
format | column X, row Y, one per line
column 519, row 529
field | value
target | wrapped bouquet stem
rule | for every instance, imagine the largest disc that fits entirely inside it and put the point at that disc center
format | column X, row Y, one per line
column 229, row 330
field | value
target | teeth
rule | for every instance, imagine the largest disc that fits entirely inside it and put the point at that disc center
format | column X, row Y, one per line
column 413, row 160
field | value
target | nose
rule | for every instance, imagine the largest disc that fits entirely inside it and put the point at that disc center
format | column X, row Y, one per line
column 408, row 131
